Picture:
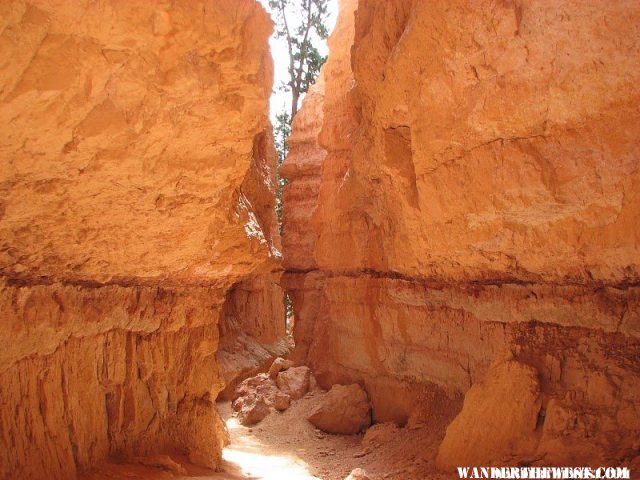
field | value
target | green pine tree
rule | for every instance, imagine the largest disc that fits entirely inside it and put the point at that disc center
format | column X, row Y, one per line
column 302, row 24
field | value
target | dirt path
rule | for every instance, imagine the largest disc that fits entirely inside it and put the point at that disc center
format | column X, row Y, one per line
column 284, row 446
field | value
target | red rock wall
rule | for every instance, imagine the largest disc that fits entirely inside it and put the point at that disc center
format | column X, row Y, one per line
column 107, row 370
column 302, row 169
column 252, row 330
column 135, row 191
column 252, row 323
column 479, row 197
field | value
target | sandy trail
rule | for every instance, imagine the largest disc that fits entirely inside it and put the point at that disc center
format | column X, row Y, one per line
column 284, row 446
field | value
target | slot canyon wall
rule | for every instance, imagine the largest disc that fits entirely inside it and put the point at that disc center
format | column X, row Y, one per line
column 136, row 213
column 252, row 321
column 462, row 217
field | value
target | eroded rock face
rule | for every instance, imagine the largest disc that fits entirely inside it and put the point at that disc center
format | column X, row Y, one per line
column 135, row 178
column 252, row 324
column 127, row 370
column 302, row 169
column 252, row 330
column 476, row 198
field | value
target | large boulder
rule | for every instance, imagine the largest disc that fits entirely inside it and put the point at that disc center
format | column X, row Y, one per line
column 344, row 409
column 294, row 381
column 498, row 418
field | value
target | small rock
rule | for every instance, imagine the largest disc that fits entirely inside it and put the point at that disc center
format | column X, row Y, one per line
column 357, row 474
column 281, row 401
column 278, row 365
column 294, row 381
column 344, row 409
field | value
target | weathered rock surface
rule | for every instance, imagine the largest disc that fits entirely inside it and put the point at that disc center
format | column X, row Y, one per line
column 477, row 196
column 252, row 330
column 344, row 410
column 294, row 381
column 254, row 397
column 259, row 385
column 135, row 190
column 278, row 365
column 93, row 371
column 497, row 421
column 281, row 401
column 143, row 121
column 302, row 169
column 357, row 474
column 251, row 409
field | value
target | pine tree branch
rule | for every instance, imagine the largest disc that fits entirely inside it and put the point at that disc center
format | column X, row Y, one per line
column 289, row 43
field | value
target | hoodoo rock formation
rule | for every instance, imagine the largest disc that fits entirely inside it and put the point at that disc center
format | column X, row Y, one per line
column 136, row 210
column 462, row 234
column 470, row 190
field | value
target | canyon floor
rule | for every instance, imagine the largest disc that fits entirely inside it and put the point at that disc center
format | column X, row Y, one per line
column 285, row 446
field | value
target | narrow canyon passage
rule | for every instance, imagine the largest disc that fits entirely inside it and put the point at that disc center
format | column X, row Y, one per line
column 286, row 446
column 461, row 242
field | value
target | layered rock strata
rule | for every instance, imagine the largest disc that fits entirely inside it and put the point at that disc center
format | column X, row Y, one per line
column 302, row 169
column 136, row 176
column 478, row 198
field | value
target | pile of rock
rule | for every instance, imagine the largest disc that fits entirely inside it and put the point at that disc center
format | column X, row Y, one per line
column 255, row 397
column 344, row 409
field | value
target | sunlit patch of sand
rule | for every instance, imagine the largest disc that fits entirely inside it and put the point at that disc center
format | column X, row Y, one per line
column 249, row 454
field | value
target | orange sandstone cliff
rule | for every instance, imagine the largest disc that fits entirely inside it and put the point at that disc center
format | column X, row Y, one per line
column 469, row 203
column 302, row 169
column 136, row 201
